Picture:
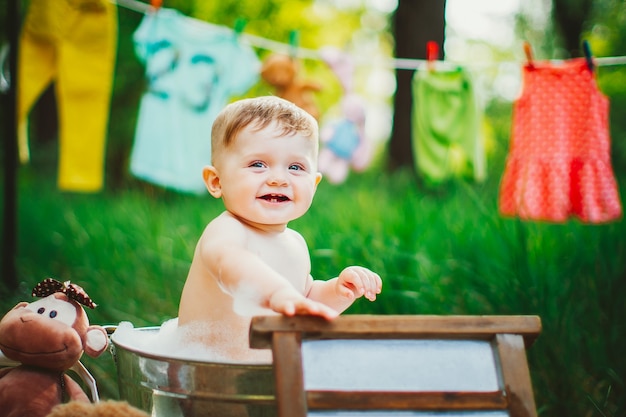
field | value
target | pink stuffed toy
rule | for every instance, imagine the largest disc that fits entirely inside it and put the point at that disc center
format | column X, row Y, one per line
column 47, row 337
column 344, row 144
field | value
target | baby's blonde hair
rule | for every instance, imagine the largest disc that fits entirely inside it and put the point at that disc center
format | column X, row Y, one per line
column 260, row 112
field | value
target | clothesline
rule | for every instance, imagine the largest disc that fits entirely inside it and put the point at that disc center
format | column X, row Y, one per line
column 396, row 63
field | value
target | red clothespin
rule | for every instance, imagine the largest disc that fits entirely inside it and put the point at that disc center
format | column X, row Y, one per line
column 588, row 56
column 156, row 4
column 432, row 54
column 529, row 54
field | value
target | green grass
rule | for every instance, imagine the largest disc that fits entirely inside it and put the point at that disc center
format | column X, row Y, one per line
column 442, row 251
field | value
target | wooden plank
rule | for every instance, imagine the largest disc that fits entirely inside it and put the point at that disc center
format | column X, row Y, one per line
column 287, row 358
column 360, row 400
column 515, row 375
column 394, row 327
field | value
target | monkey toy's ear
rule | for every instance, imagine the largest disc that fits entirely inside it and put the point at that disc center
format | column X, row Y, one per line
column 21, row 304
column 96, row 341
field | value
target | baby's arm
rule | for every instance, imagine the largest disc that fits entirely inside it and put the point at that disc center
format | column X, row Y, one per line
column 353, row 282
column 242, row 273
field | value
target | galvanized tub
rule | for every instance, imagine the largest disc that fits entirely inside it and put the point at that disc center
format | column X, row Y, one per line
column 171, row 387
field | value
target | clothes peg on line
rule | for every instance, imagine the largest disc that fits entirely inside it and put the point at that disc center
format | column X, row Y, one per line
column 294, row 40
column 588, row 56
column 529, row 54
column 156, row 4
column 239, row 26
column 432, row 54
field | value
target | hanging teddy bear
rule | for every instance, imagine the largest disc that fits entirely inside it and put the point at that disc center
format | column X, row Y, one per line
column 281, row 72
column 47, row 337
column 344, row 143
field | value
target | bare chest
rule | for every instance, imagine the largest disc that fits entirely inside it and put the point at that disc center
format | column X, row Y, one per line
column 284, row 253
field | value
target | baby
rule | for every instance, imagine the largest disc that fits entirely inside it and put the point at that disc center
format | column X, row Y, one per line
column 247, row 261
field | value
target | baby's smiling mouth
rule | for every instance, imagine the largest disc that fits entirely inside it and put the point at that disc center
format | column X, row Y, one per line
column 275, row 198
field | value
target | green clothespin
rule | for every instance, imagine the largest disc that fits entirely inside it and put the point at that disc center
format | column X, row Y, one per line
column 294, row 40
column 240, row 25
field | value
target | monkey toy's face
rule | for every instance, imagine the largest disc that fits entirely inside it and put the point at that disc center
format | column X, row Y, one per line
column 50, row 333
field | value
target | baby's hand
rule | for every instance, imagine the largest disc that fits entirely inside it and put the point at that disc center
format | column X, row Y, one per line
column 290, row 302
column 356, row 281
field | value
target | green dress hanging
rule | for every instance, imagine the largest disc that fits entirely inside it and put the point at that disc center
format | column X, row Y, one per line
column 446, row 125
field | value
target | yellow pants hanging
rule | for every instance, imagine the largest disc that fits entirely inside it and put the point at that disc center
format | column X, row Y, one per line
column 71, row 42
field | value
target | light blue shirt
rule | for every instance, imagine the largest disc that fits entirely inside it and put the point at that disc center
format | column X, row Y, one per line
column 192, row 70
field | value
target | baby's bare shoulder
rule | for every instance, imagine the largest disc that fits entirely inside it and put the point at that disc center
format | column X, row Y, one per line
column 224, row 227
column 294, row 236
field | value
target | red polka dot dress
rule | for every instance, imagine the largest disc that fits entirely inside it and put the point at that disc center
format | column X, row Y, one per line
column 559, row 161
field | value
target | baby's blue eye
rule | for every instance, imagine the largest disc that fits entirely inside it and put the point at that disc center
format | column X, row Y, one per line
column 296, row 167
column 53, row 314
column 257, row 164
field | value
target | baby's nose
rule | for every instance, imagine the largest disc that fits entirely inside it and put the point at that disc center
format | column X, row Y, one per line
column 277, row 180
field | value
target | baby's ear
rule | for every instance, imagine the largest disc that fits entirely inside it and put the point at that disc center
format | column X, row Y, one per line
column 212, row 181
column 318, row 178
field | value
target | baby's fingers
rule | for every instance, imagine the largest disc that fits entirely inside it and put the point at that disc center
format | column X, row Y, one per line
column 287, row 308
column 309, row 307
column 367, row 283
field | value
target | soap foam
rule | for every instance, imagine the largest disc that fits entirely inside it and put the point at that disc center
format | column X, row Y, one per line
column 183, row 342
column 169, row 340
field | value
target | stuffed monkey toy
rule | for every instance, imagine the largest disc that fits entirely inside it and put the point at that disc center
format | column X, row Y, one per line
column 281, row 72
column 47, row 337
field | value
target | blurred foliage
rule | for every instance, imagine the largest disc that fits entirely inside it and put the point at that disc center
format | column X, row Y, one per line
column 606, row 32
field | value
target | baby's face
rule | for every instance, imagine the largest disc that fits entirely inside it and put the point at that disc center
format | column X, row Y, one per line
column 268, row 179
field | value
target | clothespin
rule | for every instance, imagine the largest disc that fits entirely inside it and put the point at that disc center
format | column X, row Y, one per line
column 432, row 54
column 240, row 24
column 587, row 52
column 529, row 54
column 294, row 40
column 156, row 5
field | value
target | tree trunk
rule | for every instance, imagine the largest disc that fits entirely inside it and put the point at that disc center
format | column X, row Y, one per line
column 570, row 16
column 415, row 23
column 10, row 160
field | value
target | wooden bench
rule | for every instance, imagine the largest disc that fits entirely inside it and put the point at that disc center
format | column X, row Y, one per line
column 359, row 365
